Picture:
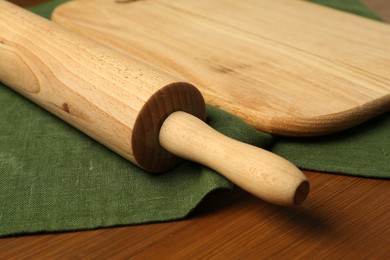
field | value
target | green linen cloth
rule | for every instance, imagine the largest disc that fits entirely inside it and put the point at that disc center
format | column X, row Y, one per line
column 55, row 178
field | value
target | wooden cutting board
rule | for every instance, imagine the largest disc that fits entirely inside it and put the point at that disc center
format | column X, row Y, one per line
column 287, row 67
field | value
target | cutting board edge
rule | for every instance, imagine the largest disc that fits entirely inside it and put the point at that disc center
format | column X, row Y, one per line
column 315, row 126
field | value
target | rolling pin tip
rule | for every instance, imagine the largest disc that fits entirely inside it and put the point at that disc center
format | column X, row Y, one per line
column 301, row 192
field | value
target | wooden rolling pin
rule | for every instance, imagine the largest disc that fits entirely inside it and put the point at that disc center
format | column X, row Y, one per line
column 140, row 112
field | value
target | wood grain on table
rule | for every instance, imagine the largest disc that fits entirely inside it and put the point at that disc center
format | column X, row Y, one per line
column 343, row 218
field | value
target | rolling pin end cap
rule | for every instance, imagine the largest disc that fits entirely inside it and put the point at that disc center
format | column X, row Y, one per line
column 147, row 150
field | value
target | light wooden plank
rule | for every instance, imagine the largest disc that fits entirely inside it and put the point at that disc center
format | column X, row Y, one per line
column 286, row 66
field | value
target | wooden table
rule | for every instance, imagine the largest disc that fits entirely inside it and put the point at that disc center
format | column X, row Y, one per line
column 344, row 218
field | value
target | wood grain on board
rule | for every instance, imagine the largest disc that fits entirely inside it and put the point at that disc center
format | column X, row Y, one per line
column 287, row 67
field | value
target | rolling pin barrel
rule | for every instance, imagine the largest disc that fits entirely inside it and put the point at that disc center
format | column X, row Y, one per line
column 138, row 111
column 117, row 100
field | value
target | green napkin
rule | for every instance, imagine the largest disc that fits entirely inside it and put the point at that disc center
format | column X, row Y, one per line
column 351, row 6
column 54, row 178
column 361, row 151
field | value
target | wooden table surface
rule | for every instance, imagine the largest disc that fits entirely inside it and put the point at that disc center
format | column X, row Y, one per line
column 343, row 218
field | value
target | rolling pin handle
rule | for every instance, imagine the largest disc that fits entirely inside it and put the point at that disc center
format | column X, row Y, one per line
column 255, row 170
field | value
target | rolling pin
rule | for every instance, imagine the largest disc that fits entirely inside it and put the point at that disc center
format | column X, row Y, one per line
column 140, row 112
